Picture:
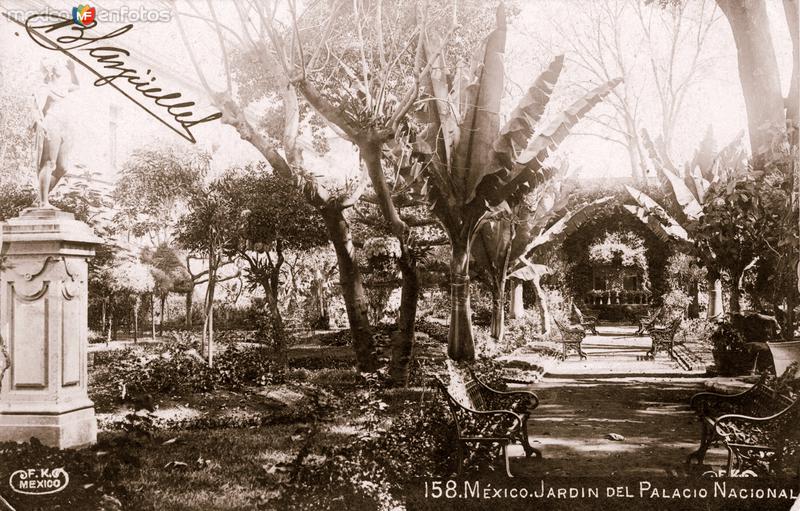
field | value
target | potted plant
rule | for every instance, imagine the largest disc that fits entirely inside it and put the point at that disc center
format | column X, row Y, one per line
column 731, row 355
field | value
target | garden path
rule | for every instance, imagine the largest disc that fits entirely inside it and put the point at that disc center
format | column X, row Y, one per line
column 614, row 390
column 618, row 351
column 576, row 415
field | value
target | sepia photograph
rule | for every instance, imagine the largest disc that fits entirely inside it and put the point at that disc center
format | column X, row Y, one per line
column 399, row 255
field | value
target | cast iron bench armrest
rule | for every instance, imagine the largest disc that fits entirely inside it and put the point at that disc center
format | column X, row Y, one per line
column 496, row 396
column 713, row 397
column 503, row 396
column 762, row 430
column 483, row 419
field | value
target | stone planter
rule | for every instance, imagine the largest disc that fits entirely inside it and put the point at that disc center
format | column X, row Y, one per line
column 784, row 353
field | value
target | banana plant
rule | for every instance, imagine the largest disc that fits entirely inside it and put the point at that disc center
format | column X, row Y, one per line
column 687, row 188
column 474, row 168
column 504, row 247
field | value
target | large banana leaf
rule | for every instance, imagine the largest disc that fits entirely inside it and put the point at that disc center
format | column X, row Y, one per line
column 554, row 133
column 653, row 223
column 567, row 224
column 481, row 122
column 690, row 207
column 654, row 216
column 523, row 119
column 530, row 271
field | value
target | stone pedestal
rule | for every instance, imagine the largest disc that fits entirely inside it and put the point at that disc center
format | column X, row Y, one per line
column 43, row 321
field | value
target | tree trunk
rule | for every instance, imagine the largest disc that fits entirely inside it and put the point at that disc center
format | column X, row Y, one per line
column 715, row 309
column 758, row 70
column 319, row 302
column 791, row 8
column 694, row 307
column 211, row 335
column 542, row 307
column 271, row 285
column 736, row 294
column 278, row 329
column 153, row 315
column 460, row 343
column 352, row 287
column 403, row 338
column 497, row 327
column 208, row 323
column 136, row 303
column 517, row 304
column 161, row 319
column 103, row 314
column 110, row 324
column 189, row 305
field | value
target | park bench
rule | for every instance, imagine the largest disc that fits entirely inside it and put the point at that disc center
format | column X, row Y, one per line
column 571, row 338
column 490, row 417
column 587, row 321
column 757, row 427
column 663, row 338
column 648, row 322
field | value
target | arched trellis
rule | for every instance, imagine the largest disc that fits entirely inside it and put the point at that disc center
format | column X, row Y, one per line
column 614, row 218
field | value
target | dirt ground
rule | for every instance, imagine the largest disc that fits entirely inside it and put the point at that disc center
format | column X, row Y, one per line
column 576, row 415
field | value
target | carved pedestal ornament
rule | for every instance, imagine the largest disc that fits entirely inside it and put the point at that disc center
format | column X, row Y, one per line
column 43, row 322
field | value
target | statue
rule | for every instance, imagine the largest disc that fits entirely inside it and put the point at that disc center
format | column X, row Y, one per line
column 52, row 137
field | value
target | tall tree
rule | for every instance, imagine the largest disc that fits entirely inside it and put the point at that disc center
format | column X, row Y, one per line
column 289, row 162
column 767, row 111
column 657, row 52
column 474, row 167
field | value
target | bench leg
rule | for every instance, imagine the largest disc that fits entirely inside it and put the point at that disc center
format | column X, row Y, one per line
column 505, row 458
column 705, row 443
column 729, row 468
column 581, row 354
column 526, row 444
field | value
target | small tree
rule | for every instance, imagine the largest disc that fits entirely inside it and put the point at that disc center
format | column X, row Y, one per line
column 153, row 187
column 169, row 274
column 205, row 231
column 271, row 217
column 128, row 280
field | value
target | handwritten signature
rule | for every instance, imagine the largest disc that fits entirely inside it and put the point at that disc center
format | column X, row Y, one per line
column 58, row 33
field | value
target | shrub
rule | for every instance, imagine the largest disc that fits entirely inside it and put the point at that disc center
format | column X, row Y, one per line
column 95, row 337
column 369, row 471
column 238, row 367
column 676, row 301
column 338, row 338
column 730, row 353
column 697, row 330
column 175, row 371
column 435, row 331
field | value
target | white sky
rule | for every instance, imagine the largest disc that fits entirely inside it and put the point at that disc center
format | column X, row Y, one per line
column 536, row 35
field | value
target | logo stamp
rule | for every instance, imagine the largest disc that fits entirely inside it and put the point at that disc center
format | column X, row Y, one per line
column 83, row 15
column 39, row 481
